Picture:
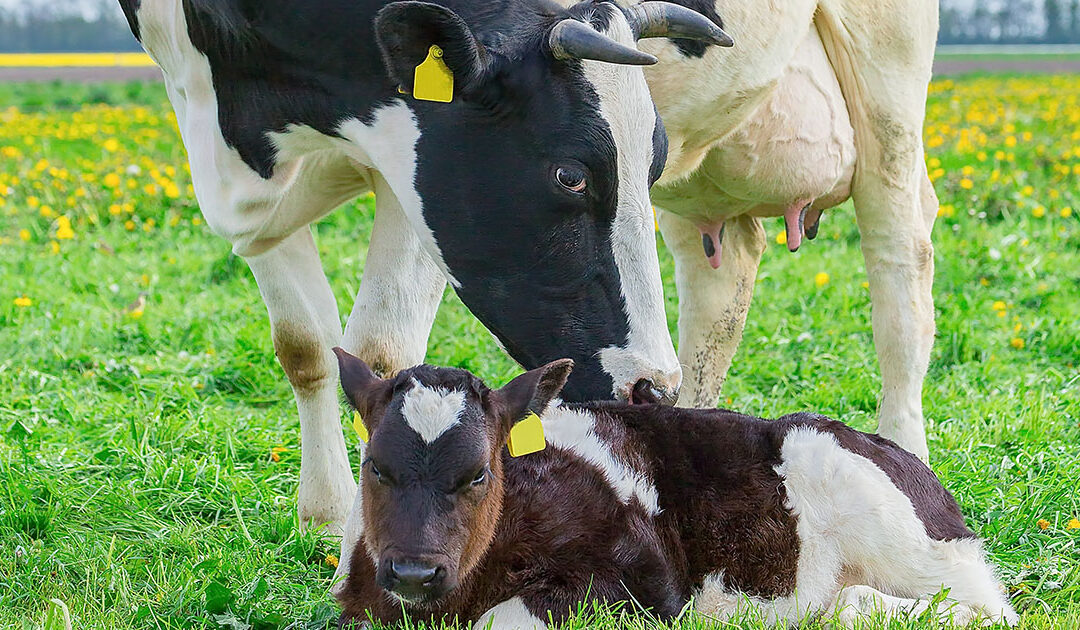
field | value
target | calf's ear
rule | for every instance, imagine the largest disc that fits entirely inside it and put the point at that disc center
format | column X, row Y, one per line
column 406, row 31
column 364, row 391
column 531, row 392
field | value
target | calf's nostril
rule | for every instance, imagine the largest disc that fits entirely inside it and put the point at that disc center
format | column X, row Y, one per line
column 409, row 576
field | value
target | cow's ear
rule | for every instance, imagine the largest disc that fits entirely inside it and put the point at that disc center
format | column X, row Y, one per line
column 406, row 31
column 530, row 392
column 364, row 391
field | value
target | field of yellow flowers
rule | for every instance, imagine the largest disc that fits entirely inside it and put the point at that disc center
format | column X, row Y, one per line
column 149, row 447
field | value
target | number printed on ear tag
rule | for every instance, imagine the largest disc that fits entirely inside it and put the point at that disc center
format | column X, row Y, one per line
column 433, row 81
column 358, row 426
column 527, row 437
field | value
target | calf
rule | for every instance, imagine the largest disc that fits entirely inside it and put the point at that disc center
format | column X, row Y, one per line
column 796, row 517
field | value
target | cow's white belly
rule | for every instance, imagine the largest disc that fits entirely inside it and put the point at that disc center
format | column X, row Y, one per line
column 796, row 148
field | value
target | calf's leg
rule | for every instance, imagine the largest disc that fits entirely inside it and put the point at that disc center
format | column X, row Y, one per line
column 305, row 327
column 713, row 303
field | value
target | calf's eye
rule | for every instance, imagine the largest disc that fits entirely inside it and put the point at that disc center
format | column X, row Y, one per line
column 480, row 477
column 571, row 178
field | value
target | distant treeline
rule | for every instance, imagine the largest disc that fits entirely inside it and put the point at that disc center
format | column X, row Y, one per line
column 1010, row 22
column 46, row 30
column 90, row 26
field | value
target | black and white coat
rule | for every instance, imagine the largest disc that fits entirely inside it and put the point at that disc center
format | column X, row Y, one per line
column 528, row 193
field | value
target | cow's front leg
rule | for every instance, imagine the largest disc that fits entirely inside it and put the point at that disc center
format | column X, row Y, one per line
column 713, row 303
column 305, row 327
column 399, row 293
column 884, row 52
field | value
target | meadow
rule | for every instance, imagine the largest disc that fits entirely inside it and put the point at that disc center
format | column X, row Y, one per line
column 149, row 446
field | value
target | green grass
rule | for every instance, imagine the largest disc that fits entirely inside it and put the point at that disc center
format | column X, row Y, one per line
column 137, row 481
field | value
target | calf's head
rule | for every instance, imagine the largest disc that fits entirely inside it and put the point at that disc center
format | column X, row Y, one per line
column 432, row 478
column 531, row 188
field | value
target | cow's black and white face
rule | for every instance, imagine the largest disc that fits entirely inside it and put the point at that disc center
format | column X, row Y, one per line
column 533, row 190
column 529, row 189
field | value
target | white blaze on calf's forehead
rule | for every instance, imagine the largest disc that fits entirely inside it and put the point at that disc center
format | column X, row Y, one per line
column 627, row 107
column 431, row 411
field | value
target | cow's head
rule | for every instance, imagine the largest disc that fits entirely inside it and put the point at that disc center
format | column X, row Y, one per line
column 531, row 188
column 432, row 479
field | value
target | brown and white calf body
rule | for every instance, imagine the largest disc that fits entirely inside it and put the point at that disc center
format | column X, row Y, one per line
column 796, row 517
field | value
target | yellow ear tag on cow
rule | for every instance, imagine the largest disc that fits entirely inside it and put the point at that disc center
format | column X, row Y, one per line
column 527, row 436
column 358, row 426
column 433, row 81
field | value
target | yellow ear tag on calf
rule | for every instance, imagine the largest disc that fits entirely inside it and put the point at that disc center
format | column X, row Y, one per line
column 433, row 81
column 527, row 436
column 358, row 426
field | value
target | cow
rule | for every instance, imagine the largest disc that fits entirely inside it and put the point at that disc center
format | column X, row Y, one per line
column 517, row 168
column 821, row 100
column 658, row 506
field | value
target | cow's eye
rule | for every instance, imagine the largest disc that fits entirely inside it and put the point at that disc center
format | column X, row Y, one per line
column 480, row 477
column 571, row 178
column 376, row 473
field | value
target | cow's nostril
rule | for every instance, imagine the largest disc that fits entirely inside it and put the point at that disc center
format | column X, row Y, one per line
column 646, row 393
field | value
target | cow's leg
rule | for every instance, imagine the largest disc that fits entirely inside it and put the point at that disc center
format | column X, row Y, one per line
column 399, row 293
column 882, row 53
column 305, row 327
column 713, row 303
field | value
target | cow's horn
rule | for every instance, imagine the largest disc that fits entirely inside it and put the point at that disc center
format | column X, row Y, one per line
column 664, row 19
column 571, row 39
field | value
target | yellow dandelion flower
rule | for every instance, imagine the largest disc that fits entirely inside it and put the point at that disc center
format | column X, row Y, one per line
column 967, row 184
column 1018, row 327
column 1038, row 212
column 23, row 302
column 33, row 201
column 781, row 238
column 112, row 180
column 274, row 457
column 984, row 282
column 24, row 235
column 1042, row 523
column 196, row 221
column 115, row 209
column 1017, row 343
column 1072, row 524
column 54, row 246
column 821, row 279
column 63, row 229
column 331, row 560
column 998, row 306
column 129, row 225
column 1066, row 212
column 112, row 145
